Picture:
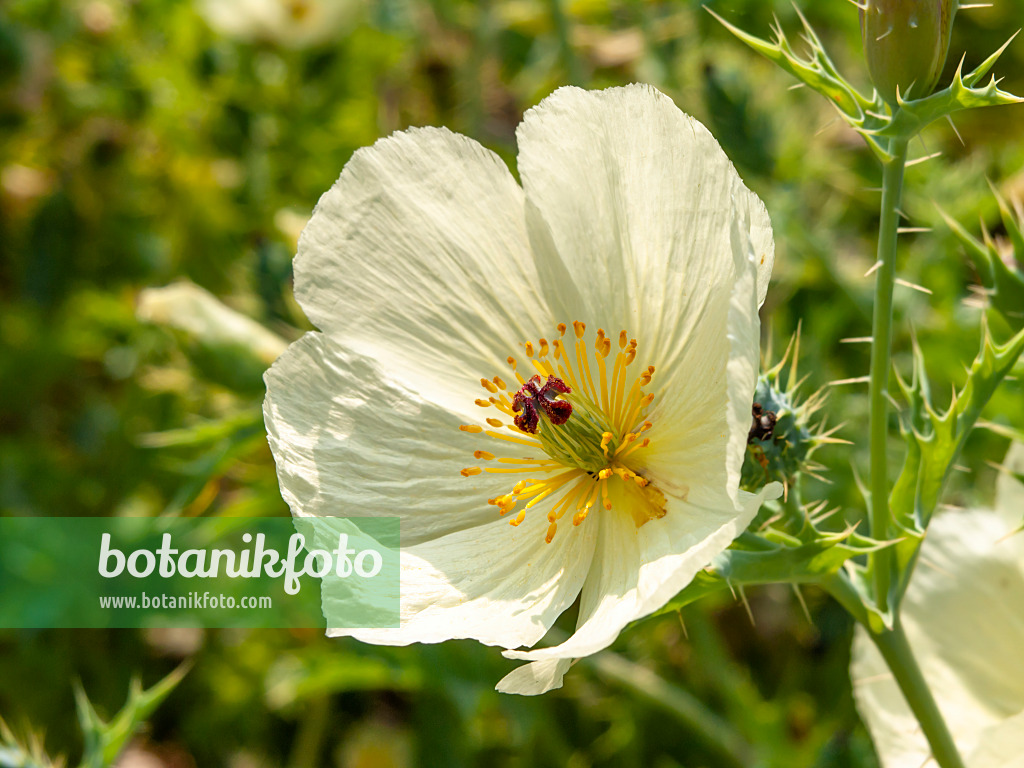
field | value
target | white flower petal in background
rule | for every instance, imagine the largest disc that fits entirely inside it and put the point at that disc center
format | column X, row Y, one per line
column 290, row 23
column 964, row 618
column 626, row 274
column 194, row 310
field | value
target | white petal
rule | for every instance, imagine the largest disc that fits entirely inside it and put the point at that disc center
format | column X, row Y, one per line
column 535, row 678
column 964, row 618
column 418, row 256
column 499, row 584
column 1010, row 490
column 703, row 409
column 1001, row 746
column 187, row 307
column 642, row 205
column 349, row 440
column 635, row 571
column 638, row 200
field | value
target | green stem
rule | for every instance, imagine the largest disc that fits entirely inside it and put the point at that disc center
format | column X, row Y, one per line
column 897, row 654
column 892, row 189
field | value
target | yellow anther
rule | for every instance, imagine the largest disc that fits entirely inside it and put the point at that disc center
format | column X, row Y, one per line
column 579, row 328
column 471, row 471
column 518, row 518
column 518, row 487
column 551, row 532
column 647, row 425
column 511, row 361
column 561, row 329
column 580, row 516
column 647, row 400
column 485, row 455
column 605, row 473
column 488, row 385
column 494, row 422
column 471, row 428
column 543, row 348
column 630, row 355
column 483, row 403
column 622, row 339
column 529, row 349
column 605, row 439
column 498, row 382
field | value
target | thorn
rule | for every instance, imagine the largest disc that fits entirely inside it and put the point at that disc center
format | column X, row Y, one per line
column 857, row 380
column 953, row 126
column 922, row 159
column 871, row 189
column 962, row 468
column 874, row 268
column 893, row 403
column 750, row 613
column 731, row 588
column 878, row 115
column 683, row 624
column 803, row 603
column 856, row 340
column 909, row 230
column 901, row 213
column 824, row 516
column 827, row 125
column 796, row 86
column 905, row 284
column 973, row 6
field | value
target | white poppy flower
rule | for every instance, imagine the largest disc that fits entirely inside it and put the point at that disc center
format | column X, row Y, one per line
column 964, row 618
column 625, row 274
column 291, row 23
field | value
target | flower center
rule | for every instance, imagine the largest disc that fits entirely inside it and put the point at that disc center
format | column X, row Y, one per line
column 585, row 416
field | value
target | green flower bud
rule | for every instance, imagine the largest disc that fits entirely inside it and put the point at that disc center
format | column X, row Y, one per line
column 905, row 43
column 783, row 435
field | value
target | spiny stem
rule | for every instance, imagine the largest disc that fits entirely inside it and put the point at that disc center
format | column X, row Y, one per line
column 898, row 655
column 892, row 189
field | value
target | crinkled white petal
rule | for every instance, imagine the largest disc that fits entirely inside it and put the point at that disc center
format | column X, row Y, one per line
column 635, row 571
column 418, row 256
column 348, row 440
column 964, row 617
column 639, row 201
column 499, row 584
column 535, row 678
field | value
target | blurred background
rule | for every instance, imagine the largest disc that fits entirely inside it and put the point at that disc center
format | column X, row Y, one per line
column 144, row 143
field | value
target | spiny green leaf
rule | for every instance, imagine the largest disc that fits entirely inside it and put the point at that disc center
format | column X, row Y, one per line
column 105, row 740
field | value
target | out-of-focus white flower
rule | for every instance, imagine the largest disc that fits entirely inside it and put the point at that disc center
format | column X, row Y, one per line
column 198, row 312
column 964, row 618
column 576, row 357
column 290, row 23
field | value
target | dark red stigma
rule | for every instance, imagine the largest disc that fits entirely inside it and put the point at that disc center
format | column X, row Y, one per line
column 534, row 397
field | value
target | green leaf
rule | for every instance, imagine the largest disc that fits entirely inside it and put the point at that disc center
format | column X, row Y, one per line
column 913, row 116
column 772, row 557
column 934, row 441
column 105, row 740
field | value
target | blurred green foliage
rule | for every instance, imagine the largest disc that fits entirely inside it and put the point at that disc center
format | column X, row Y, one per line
column 139, row 146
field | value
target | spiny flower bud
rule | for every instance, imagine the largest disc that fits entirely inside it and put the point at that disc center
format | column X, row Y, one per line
column 782, row 436
column 905, row 43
